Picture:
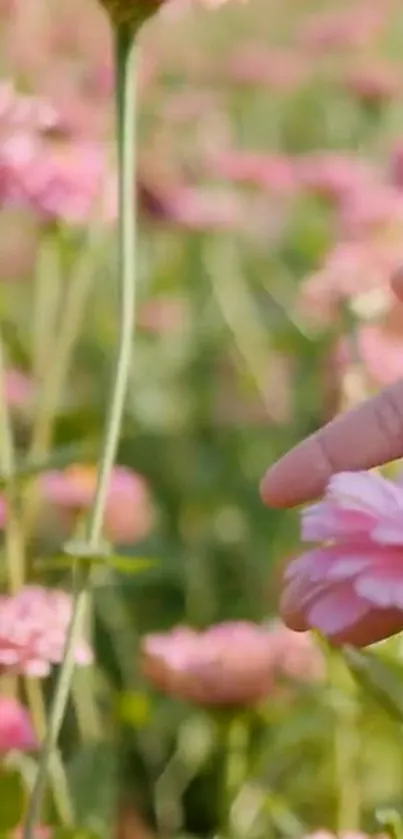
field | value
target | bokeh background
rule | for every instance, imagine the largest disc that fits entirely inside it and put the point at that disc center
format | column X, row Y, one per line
column 270, row 197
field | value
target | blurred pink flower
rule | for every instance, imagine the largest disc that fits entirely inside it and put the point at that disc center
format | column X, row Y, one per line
column 20, row 112
column 354, row 27
column 163, row 315
column 33, row 627
column 233, row 663
column 375, row 83
column 191, row 207
column 352, row 271
column 58, row 180
column 380, row 350
column 296, row 656
column 350, row 588
column 19, row 388
column 198, row 208
column 372, row 208
column 16, row 730
column 274, row 172
column 129, row 513
column 279, row 69
column 333, row 176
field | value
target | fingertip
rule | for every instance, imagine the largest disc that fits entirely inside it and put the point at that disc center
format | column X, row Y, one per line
column 299, row 476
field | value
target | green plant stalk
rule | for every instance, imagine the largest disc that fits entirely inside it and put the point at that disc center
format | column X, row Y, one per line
column 236, row 765
column 126, row 55
column 13, row 542
column 346, row 746
column 15, row 556
column 57, row 370
column 47, row 300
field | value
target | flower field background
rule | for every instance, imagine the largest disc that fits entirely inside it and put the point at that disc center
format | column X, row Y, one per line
column 270, row 205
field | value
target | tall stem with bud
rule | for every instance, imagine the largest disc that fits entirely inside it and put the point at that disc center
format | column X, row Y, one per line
column 126, row 59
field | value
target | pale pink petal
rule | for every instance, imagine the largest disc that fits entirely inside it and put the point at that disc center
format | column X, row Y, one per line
column 337, row 610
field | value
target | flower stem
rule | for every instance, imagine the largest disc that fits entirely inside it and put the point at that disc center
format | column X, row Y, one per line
column 126, row 55
column 236, row 761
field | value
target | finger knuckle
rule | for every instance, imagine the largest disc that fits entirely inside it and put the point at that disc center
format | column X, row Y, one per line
column 389, row 416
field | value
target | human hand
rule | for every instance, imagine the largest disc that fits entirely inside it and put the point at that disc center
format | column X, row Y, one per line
column 367, row 436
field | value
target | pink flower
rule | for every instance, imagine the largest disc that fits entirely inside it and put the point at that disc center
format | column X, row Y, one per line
column 296, row 656
column 268, row 171
column 163, row 315
column 333, row 176
column 371, row 209
column 33, row 627
column 380, row 350
column 375, row 83
column 129, row 514
column 344, row 29
column 233, row 663
column 351, row 587
column 19, row 389
column 16, row 730
column 59, row 181
column 352, row 271
column 279, row 69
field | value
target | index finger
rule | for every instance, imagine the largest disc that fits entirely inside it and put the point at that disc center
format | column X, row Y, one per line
column 367, row 436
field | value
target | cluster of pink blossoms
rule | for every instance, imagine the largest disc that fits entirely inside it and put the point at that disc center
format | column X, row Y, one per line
column 33, row 628
column 44, row 169
column 351, row 586
column 233, row 663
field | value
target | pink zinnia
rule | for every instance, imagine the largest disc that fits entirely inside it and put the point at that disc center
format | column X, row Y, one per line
column 274, row 172
column 380, row 350
column 16, row 730
column 129, row 513
column 351, row 587
column 33, row 628
column 232, row 663
column 332, row 175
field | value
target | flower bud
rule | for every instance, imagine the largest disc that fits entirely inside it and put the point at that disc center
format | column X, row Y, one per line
column 130, row 12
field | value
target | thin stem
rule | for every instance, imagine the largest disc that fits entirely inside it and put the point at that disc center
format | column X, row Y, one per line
column 60, row 787
column 16, row 567
column 13, row 544
column 55, row 376
column 346, row 747
column 126, row 55
column 242, row 317
column 236, row 761
column 47, row 291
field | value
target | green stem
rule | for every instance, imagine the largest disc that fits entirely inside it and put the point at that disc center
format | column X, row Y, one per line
column 236, row 761
column 57, row 369
column 13, row 543
column 346, row 747
column 47, row 291
column 15, row 557
column 126, row 55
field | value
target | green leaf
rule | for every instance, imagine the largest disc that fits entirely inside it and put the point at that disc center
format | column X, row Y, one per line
column 93, row 781
column 12, row 799
column 380, row 679
column 122, row 563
